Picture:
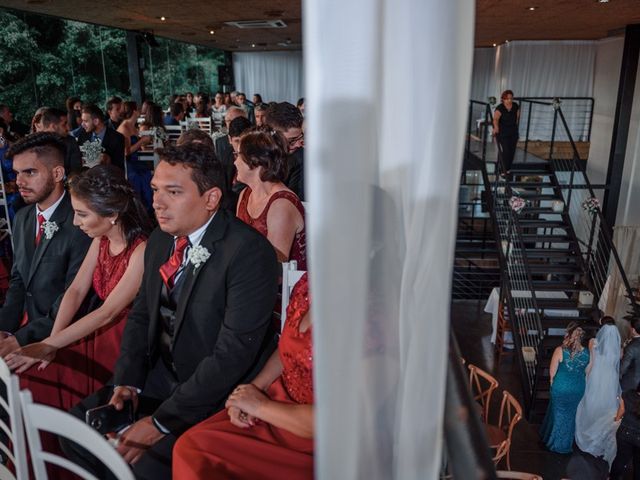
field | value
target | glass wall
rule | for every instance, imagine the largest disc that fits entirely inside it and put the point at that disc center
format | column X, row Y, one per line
column 44, row 60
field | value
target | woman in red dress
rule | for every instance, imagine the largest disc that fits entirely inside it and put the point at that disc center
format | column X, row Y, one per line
column 107, row 210
column 267, row 204
column 267, row 429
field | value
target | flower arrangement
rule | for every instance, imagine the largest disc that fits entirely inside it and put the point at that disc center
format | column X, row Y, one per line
column 198, row 255
column 158, row 134
column 591, row 205
column 517, row 203
column 49, row 228
column 192, row 125
column 92, row 152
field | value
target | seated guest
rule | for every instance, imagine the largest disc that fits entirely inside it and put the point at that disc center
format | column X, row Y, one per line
column 195, row 136
column 55, row 121
column 218, row 110
column 267, row 430
column 114, row 112
column 12, row 197
column 138, row 174
column 243, row 103
column 202, row 107
column 93, row 128
column 267, row 204
column 200, row 323
column 288, row 120
column 176, row 114
column 260, row 113
column 14, row 127
column 74, row 112
column 107, row 210
column 36, row 120
column 257, row 99
column 236, row 128
column 224, row 151
column 300, row 105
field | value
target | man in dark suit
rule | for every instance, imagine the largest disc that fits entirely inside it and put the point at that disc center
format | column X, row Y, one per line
column 93, row 127
column 287, row 119
column 55, row 120
column 114, row 113
column 201, row 321
column 48, row 248
column 630, row 364
column 15, row 128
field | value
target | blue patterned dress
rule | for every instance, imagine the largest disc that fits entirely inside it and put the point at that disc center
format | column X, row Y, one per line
column 559, row 425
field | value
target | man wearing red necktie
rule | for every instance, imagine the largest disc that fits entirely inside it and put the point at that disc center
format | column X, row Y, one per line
column 201, row 322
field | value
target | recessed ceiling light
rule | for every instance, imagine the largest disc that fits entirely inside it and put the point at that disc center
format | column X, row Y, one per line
column 253, row 45
column 163, row 18
column 494, row 45
column 532, row 8
column 603, row 1
column 506, row 41
column 211, row 32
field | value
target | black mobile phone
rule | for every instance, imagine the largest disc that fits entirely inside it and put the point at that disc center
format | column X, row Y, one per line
column 106, row 419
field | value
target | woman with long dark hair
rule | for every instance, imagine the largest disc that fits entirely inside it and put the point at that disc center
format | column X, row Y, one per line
column 107, row 210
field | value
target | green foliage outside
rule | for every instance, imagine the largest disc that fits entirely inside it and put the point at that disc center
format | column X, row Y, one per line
column 44, row 60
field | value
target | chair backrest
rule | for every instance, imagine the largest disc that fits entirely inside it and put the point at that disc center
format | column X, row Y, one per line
column 290, row 276
column 510, row 414
column 43, row 418
column 482, row 386
column 12, row 441
column 517, row 475
column 204, row 123
column 173, row 132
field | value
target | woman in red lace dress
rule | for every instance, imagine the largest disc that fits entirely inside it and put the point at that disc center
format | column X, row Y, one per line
column 267, row 429
column 267, row 204
column 107, row 210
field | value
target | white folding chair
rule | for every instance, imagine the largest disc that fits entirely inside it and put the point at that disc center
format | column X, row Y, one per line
column 43, row 418
column 290, row 276
column 14, row 432
column 205, row 124
column 173, row 132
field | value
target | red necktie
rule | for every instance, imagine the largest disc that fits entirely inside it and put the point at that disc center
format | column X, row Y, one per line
column 169, row 269
column 41, row 221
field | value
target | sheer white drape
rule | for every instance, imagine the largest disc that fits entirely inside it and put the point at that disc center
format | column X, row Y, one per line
column 383, row 169
column 277, row 76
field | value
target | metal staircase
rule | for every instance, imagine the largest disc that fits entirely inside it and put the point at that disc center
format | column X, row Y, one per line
column 550, row 250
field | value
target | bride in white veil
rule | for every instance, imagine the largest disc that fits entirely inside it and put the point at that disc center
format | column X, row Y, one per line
column 595, row 419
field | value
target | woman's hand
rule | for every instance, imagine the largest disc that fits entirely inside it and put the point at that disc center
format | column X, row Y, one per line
column 241, row 419
column 249, row 399
column 24, row 358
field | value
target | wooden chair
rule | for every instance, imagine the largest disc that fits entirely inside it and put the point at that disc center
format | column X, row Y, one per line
column 482, row 386
column 500, row 435
column 12, row 442
column 39, row 418
column 517, row 475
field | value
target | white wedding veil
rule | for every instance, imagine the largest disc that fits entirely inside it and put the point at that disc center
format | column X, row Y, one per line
column 595, row 426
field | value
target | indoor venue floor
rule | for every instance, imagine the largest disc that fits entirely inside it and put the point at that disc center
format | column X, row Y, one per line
column 472, row 327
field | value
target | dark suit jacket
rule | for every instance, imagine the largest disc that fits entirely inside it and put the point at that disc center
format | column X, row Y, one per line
column 113, row 144
column 295, row 177
column 223, row 320
column 630, row 366
column 40, row 275
column 73, row 158
column 224, row 153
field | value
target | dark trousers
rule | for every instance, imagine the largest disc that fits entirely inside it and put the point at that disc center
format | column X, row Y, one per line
column 155, row 464
column 628, row 448
column 507, row 151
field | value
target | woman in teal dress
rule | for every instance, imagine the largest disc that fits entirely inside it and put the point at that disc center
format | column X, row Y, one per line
column 567, row 372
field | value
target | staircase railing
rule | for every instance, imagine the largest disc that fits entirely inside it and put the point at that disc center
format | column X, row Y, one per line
column 599, row 253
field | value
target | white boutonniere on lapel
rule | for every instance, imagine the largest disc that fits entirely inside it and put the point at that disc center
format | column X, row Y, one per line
column 49, row 228
column 198, row 255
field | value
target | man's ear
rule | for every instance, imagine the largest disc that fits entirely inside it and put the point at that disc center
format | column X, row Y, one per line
column 214, row 197
column 58, row 173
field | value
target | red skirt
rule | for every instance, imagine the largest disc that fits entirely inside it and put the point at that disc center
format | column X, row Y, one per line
column 216, row 449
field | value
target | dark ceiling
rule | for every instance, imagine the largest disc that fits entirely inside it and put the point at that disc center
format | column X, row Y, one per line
column 193, row 20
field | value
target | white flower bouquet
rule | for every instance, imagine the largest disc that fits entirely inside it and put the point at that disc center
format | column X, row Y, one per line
column 91, row 152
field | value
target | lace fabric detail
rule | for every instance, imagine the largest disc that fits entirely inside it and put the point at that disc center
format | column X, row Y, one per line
column 296, row 353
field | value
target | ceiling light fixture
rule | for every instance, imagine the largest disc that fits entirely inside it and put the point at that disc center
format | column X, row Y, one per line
column 532, row 8
column 603, row 1
column 163, row 18
column 494, row 45
column 253, row 45
column 211, row 32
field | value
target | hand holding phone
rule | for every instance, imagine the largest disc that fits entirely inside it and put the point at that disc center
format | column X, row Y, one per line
column 106, row 419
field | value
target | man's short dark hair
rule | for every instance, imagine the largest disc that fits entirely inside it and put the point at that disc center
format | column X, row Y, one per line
column 206, row 170
column 113, row 101
column 195, row 135
column 176, row 109
column 48, row 147
column 94, row 111
column 283, row 116
column 238, row 126
column 51, row 116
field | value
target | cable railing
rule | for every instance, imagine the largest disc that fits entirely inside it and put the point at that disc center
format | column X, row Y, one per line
column 606, row 274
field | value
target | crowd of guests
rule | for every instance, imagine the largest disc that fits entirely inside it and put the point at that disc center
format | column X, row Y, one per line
column 595, row 401
column 158, row 288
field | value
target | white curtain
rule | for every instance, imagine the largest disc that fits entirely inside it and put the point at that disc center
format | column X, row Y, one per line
column 277, row 76
column 483, row 81
column 382, row 172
